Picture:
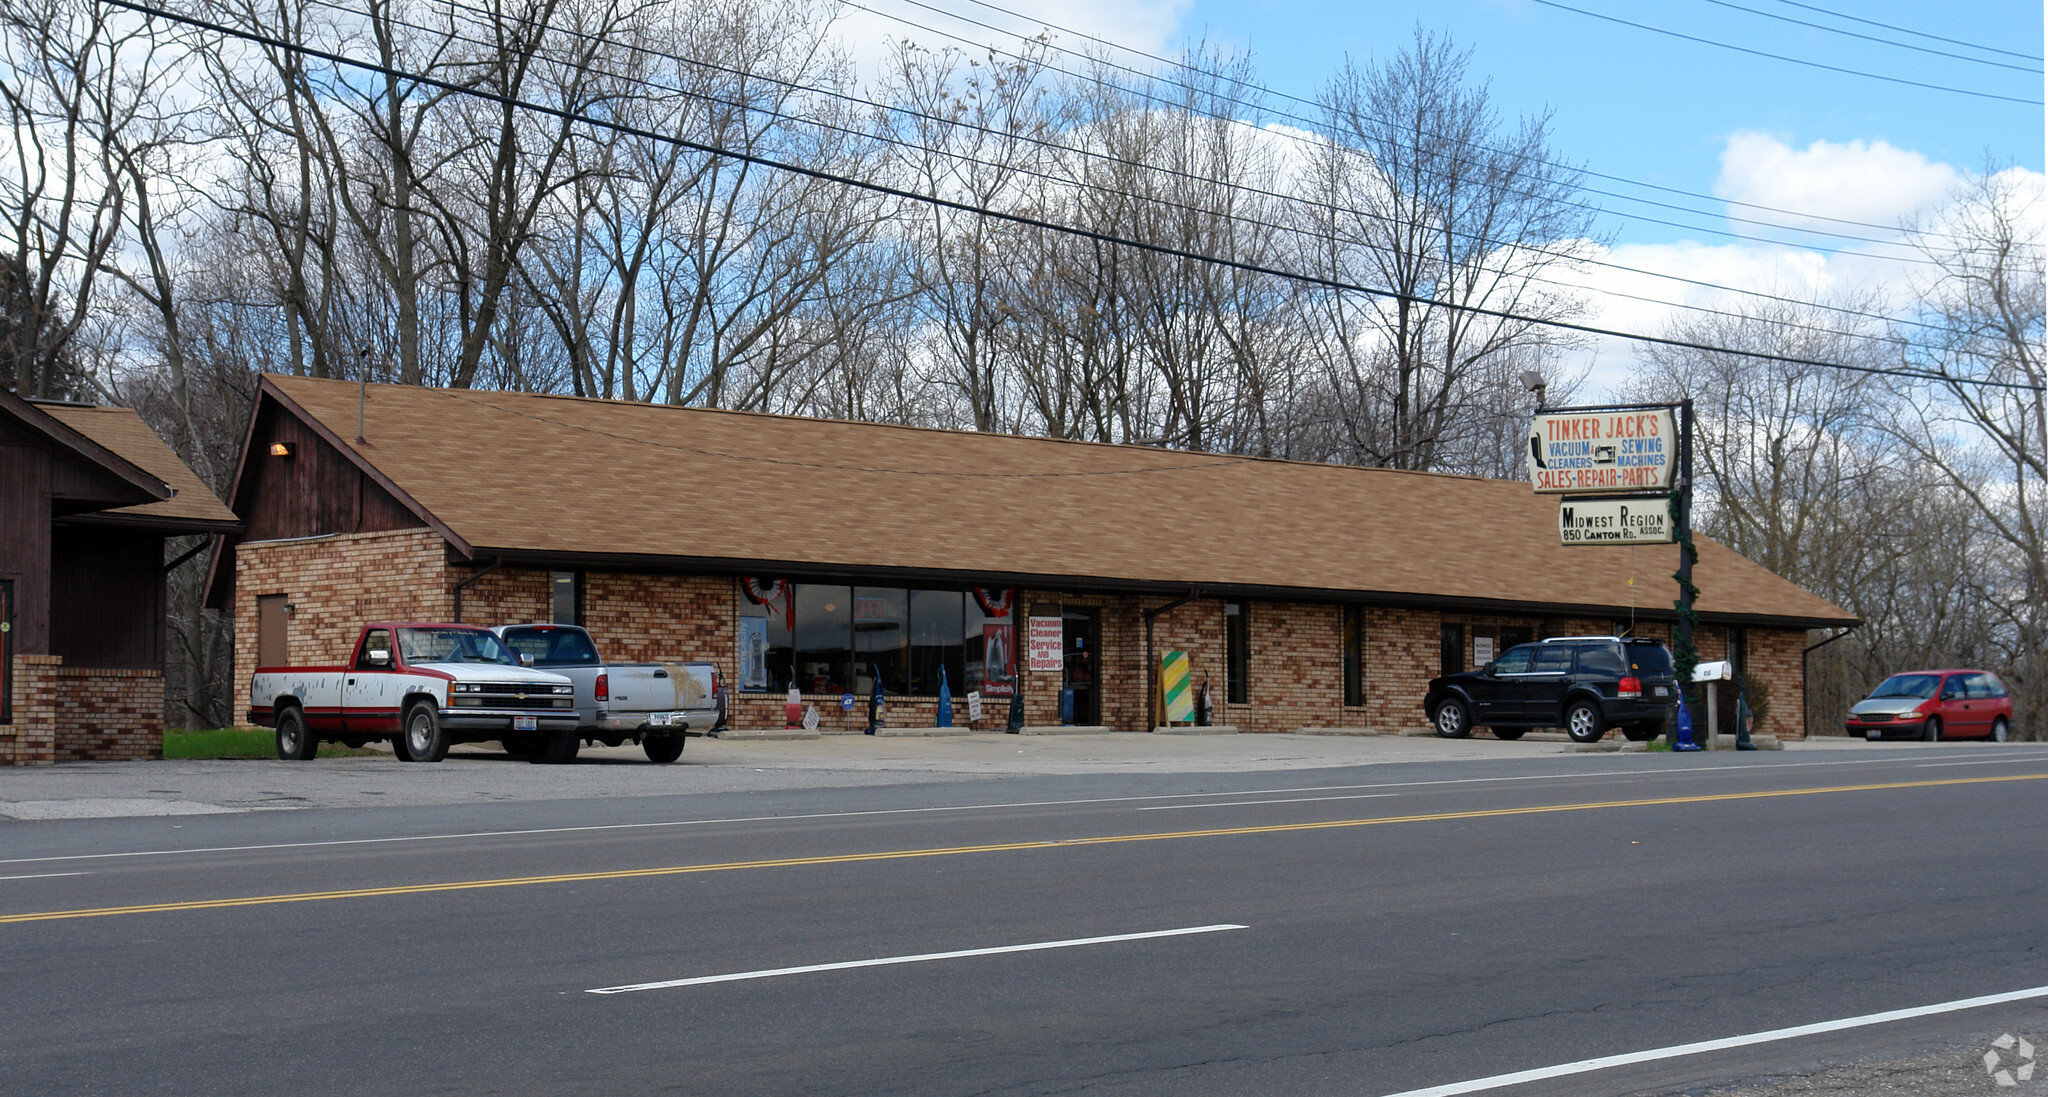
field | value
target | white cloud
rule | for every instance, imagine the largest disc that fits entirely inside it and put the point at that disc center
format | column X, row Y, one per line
column 1876, row 182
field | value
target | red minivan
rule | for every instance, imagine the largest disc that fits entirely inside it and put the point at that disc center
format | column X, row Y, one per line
column 1935, row 705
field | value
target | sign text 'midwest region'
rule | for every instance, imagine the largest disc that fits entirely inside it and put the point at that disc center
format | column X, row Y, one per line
column 1634, row 520
column 1634, row 450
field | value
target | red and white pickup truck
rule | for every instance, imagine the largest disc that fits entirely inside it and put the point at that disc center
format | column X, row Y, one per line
column 421, row 686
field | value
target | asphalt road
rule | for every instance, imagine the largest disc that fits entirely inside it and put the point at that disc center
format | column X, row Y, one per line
column 1402, row 927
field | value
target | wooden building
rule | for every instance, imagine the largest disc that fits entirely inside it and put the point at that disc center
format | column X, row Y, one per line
column 832, row 557
column 88, row 496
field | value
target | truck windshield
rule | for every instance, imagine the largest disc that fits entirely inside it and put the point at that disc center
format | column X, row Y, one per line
column 453, row 645
column 553, row 647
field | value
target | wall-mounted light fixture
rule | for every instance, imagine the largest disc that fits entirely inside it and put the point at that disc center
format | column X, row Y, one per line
column 280, row 449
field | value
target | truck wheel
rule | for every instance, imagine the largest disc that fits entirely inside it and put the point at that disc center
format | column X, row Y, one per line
column 663, row 749
column 1582, row 722
column 557, row 749
column 295, row 743
column 424, row 740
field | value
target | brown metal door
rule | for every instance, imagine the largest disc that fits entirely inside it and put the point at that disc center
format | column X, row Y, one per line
column 271, row 650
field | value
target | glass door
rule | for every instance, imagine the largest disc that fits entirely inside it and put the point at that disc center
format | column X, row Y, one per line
column 1082, row 663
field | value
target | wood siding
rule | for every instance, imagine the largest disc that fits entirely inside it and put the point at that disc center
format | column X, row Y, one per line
column 106, row 597
column 317, row 490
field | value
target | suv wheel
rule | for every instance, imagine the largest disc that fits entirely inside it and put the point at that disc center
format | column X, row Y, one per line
column 1452, row 719
column 1583, row 723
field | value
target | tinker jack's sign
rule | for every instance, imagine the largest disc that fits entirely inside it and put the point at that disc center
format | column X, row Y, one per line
column 1603, row 451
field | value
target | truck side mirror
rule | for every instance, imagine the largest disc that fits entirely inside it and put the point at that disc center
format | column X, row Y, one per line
column 378, row 657
column 525, row 658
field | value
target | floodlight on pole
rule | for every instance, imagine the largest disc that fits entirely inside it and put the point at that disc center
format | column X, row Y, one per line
column 1534, row 382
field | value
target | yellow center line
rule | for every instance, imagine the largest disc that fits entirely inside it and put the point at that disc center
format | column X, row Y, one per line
column 998, row 847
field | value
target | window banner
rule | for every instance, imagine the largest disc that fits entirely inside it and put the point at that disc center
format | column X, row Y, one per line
column 999, row 660
column 1048, row 639
column 753, row 653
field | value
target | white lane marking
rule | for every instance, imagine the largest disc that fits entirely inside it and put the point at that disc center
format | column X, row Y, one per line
column 884, row 961
column 1255, row 803
column 1605, row 1062
column 45, row 875
column 1985, row 762
column 257, row 848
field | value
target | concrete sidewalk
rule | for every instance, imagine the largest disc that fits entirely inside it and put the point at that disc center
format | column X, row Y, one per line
column 479, row 773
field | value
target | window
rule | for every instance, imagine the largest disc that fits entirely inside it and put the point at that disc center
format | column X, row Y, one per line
column 1738, row 650
column 553, row 647
column 566, row 597
column 881, row 639
column 375, row 640
column 845, row 638
column 1513, row 660
column 1237, row 653
column 824, row 638
column 1354, row 656
column 1601, row 660
column 937, row 642
column 1451, row 649
column 1952, row 690
column 1984, row 686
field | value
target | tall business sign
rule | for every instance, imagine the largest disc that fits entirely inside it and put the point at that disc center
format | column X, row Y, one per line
column 1614, row 468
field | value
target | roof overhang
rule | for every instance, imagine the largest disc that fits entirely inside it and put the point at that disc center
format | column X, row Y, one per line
column 137, row 485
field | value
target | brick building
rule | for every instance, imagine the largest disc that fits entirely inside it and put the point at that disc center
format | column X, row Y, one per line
column 829, row 556
column 88, row 497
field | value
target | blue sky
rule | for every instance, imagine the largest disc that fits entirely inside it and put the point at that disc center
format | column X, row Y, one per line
column 1657, row 109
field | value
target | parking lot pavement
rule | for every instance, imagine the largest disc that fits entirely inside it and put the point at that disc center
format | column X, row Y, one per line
column 479, row 773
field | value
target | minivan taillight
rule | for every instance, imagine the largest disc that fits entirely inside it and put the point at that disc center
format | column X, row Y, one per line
column 604, row 687
column 1630, row 687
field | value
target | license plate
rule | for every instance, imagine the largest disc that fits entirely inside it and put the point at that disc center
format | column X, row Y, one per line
column 1662, row 692
column 661, row 719
column 525, row 723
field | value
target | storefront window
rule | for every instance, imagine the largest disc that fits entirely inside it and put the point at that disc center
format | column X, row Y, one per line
column 881, row 639
column 823, row 655
column 991, row 646
column 566, row 597
column 1237, row 653
column 936, row 641
column 1354, row 656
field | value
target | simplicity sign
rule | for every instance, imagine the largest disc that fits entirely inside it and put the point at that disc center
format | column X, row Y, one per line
column 1633, row 450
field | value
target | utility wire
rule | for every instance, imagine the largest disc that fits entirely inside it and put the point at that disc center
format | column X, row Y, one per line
column 1315, row 123
column 2035, row 70
column 1081, row 186
column 1017, row 218
column 1907, row 30
column 1782, row 57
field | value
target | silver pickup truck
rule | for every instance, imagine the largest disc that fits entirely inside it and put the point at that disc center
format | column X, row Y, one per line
column 654, row 704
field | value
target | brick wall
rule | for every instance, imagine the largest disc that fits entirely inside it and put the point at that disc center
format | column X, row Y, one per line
column 82, row 714
column 1775, row 659
column 108, row 714
column 1403, row 651
column 31, row 740
column 337, row 584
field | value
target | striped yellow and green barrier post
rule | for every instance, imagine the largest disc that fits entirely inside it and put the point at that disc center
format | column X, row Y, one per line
column 1173, row 684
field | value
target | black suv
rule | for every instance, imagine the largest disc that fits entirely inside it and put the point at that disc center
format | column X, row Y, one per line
column 1583, row 684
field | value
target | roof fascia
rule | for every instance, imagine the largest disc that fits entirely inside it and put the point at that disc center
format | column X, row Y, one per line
column 170, row 526
column 362, row 463
column 1098, row 584
column 109, row 462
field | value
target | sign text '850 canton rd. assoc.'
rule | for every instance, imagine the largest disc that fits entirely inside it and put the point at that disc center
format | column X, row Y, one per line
column 1633, row 450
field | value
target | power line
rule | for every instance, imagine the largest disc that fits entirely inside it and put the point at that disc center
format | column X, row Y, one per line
column 1085, row 187
column 1907, row 30
column 1015, row 218
column 1872, row 38
column 1313, row 123
column 1782, row 57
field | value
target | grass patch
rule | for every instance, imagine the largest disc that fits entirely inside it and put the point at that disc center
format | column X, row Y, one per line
column 236, row 743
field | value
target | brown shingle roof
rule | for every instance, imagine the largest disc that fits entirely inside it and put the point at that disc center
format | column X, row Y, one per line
column 123, row 431
column 537, row 475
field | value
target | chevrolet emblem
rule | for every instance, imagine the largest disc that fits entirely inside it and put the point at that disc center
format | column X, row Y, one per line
column 522, row 697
